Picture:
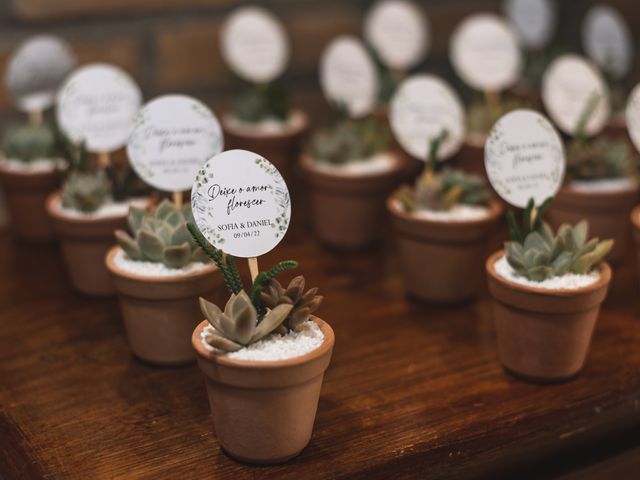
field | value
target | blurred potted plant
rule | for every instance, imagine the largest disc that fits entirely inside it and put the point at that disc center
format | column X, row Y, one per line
column 442, row 225
column 547, row 289
column 91, row 205
column 28, row 174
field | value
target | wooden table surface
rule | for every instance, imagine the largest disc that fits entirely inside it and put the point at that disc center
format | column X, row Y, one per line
column 413, row 390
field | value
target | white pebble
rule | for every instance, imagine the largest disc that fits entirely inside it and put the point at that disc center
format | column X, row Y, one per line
column 40, row 165
column 457, row 213
column 378, row 163
column 153, row 269
column 274, row 346
column 568, row 281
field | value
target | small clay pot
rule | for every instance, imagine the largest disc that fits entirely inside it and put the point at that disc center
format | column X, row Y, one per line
column 607, row 214
column 470, row 158
column 263, row 412
column 635, row 223
column 282, row 149
column 617, row 127
column 544, row 335
column 85, row 242
column 442, row 261
column 26, row 195
column 347, row 210
column 160, row 312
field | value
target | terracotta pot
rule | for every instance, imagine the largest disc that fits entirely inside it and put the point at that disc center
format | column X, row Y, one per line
column 607, row 214
column 470, row 158
column 281, row 149
column 85, row 242
column 442, row 261
column 160, row 312
column 617, row 127
column 635, row 222
column 263, row 412
column 26, row 195
column 347, row 210
column 544, row 335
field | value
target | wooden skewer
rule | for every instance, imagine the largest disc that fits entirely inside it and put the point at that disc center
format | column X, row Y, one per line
column 493, row 100
column 104, row 159
column 35, row 117
column 253, row 268
column 177, row 199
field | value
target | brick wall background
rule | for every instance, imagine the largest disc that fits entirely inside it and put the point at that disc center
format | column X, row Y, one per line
column 172, row 45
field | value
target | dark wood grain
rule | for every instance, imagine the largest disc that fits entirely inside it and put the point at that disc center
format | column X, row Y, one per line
column 414, row 390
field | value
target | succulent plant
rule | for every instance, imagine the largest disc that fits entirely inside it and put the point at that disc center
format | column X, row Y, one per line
column 348, row 140
column 161, row 235
column 30, row 142
column 85, row 192
column 600, row 158
column 238, row 325
column 534, row 252
column 544, row 255
column 303, row 303
column 262, row 102
column 441, row 190
column 249, row 317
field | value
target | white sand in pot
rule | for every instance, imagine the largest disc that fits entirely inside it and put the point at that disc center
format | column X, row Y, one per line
column 379, row 163
column 568, row 281
column 109, row 209
column 154, row 269
column 604, row 185
column 457, row 213
column 276, row 347
column 268, row 126
column 40, row 165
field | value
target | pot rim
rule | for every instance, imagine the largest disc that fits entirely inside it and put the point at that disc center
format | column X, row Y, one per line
column 475, row 140
column 6, row 172
column 288, row 133
column 51, row 206
column 223, row 360
column 567, row 188
column 635, row 217
column 603, row 280
column 495, row 210
column 115, row 270
column 307, row 164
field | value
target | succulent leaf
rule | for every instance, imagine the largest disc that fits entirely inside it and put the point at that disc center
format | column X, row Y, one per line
column 177, row 256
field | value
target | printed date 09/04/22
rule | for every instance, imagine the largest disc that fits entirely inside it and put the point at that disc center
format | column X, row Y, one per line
column 252, row 233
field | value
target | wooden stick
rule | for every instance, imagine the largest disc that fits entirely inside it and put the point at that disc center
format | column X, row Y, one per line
column 35, row 117
column 177, row 199
column 253, row 268
column 104, row 159
column 493, row 100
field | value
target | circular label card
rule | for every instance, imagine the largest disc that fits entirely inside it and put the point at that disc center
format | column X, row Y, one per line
column 35, row 71
column 255, row 44
column 572, row 86
column 97, row 105
column 485, row 53
column 399, row 32
column 533, row 20
column 422, row 107
column 633, row 116
column 172, row 137
column 607, row 40
column 348, row 76
column 241, row 203
column 524, row 158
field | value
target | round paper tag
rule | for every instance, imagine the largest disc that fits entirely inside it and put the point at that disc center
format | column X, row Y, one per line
column 633, row 116
column 399, row 32
column 35, row 71
column 241, row 203
column 524, row 158
column 348, row 76
column 569, row 86
column 533, row 20
column 607, row 40
column 97, row 104
column 255, row 44
column 422, row 107
column 172, row 137
column 485, row 54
